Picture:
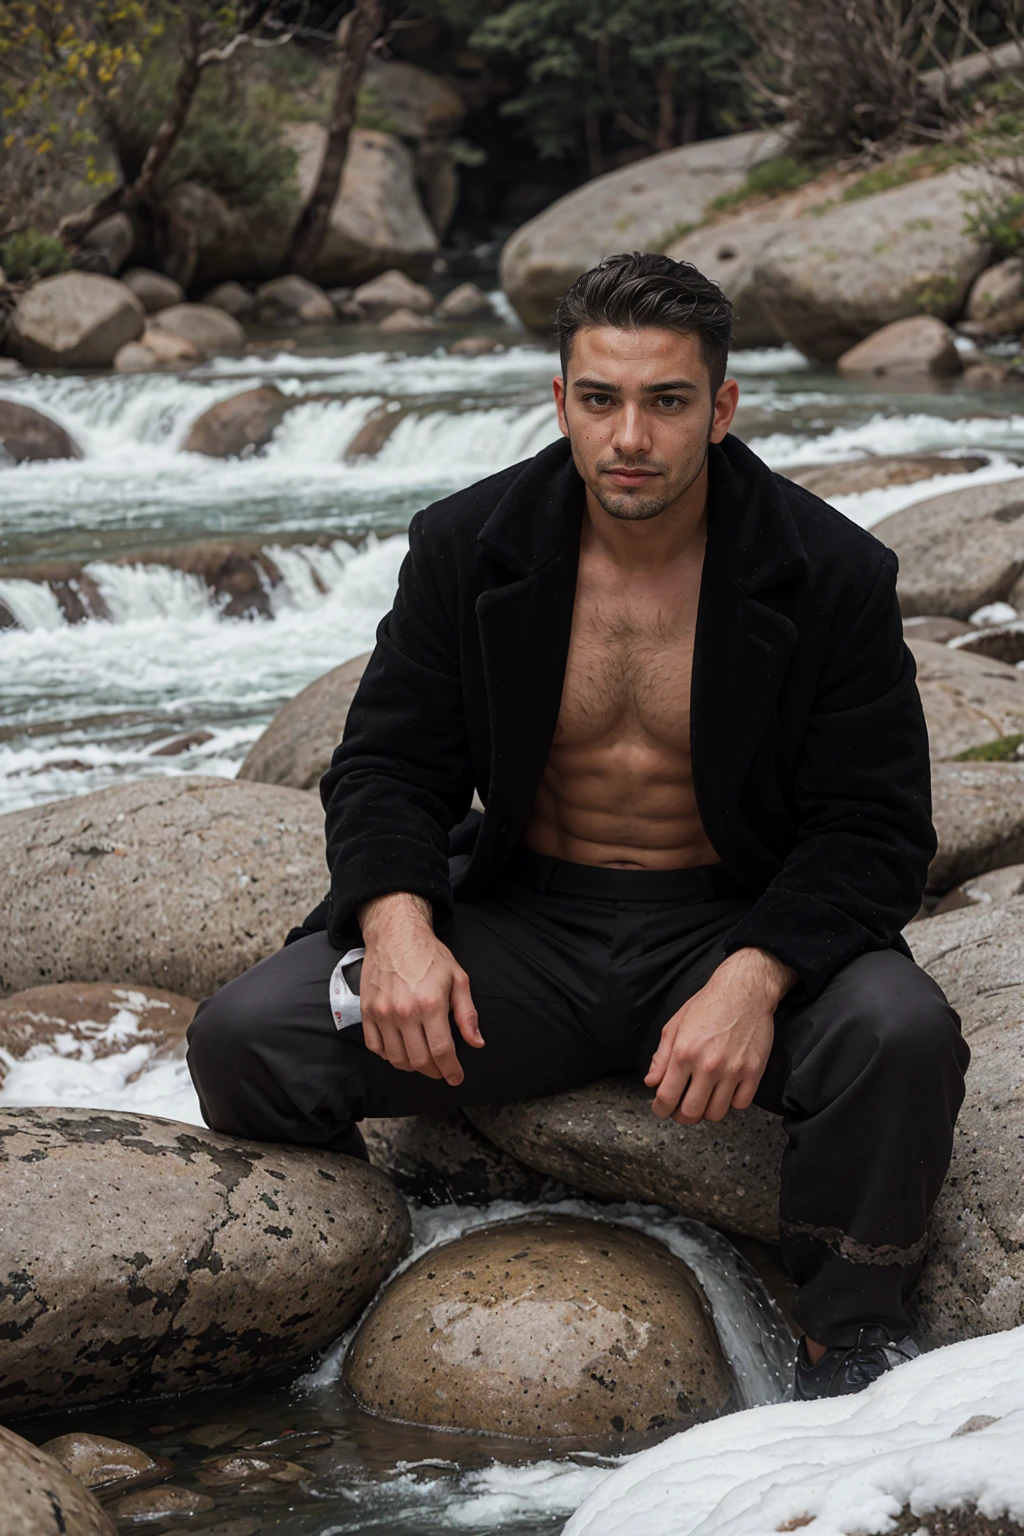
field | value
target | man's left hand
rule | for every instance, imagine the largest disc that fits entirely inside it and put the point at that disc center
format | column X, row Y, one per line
column 713, row 1052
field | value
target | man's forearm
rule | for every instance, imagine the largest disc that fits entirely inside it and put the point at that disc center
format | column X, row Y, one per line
column 761, row 971
column 398, row 911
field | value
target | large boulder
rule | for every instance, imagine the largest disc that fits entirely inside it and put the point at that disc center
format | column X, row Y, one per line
column 233, row 299
column 392, row 291
column 293, row 300
column 377, row 220
column 832, row 277
column 978, row 809
column 636, row 208
column 244, row 423
column 108, row 245
column 209, row 329
column 1003, row 642
column 547, row 1328
column 441, row 1158
column 959, row 551
column 39, row 1498
column 855, row 476
column 74, row 320
column 93, row 1020
column 728, row 251
column 919, row 347
column 27, row 434
column 973, row 1280
column 995, row 305
column 605, row 1140
column 296, row 747
column 158, row 352
column 967, row 699
column 156, row 1258
column 180, row 883
column 466, row 302
column 154, row 290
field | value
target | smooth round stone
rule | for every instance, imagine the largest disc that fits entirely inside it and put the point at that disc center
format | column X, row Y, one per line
column 100, row 1462
column 551, row 1328
column 39, row 1498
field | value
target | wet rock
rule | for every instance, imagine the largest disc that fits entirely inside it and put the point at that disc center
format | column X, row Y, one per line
column 293, row 300
column 604, row 1140
column 1002, row 642
column 100, row 1462
column 543, row 1328
column 828, row 480
column 440, row 1158
column 39, row 1498
column 233, row 299
column 230, row 1471
column 392, row 291
column 10, row 368
column 136, row 358
column 296, row 747
column 960, row 550
column 973, row 1280
column 996, row 301
column 967, row 699
column 978, row 810
column 932, row 626
column 197, row 1260
column 213, row 1436
column 28, row 435
column 824, row 297
column 175, row 882
column 637, row 208
column 209, row 329
column 158, row 352
column 919, row 347
column 404, row 321
column 466, row 302
column 166, row 1503
column 182, row 744
column 153, row 290
column 374, row 433
column 74, row 320
column 93, row 1019
column 113, row 240
column 475, row 346
column 77, row 594
column 241, row 575
column 243, row 424
column 997, row 886
column 982, row 372
column 378, row 221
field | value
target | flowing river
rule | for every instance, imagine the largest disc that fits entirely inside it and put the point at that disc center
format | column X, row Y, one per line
column 84, row 705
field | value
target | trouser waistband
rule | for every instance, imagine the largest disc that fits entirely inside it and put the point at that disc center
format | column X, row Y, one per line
column 706, row 882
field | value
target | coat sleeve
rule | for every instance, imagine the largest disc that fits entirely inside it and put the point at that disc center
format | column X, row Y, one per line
column 863, row 806
column 402, row 777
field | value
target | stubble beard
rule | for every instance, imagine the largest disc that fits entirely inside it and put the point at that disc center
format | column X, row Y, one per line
column 635, row 506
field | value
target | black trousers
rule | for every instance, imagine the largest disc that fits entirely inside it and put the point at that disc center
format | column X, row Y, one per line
column 574, row 972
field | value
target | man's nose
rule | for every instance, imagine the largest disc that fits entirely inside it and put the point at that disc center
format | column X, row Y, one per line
column 631, row 434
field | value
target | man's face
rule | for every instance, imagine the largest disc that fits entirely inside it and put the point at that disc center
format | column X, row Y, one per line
column 639, row 415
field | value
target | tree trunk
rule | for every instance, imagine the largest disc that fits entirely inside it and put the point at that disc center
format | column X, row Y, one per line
column 592, row 130
column 76, row 225
column 356, row 34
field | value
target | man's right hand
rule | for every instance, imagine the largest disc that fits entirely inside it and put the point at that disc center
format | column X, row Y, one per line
column 410, row 982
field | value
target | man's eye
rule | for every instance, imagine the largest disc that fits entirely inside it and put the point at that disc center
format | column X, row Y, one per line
column 597, row 399
column 669, row 400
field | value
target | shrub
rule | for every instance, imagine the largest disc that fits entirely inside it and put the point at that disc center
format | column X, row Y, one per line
column 780, row 173
column 1002, row 750
column 32, row 254
column 999, row 221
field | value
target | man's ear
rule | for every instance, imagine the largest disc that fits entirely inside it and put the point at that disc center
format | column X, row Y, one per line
column 558, row 386
column 726, row 401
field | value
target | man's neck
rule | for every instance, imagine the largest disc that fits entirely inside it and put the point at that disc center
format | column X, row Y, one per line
column 676, row 534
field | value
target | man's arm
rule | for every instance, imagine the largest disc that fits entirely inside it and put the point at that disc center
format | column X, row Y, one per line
column 409, row 984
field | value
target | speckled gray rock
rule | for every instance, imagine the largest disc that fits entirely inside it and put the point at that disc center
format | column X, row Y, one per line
column 180, row 883
column 296, row 747
column 727, row 251
column 74, row 320
column 38, row 1498
column 995, row 887
column 872, row 474
column 978, row 810
column 921, row 346
column 968, row 699
column 960, row 550
column 932, row 626
column 605, row 1140
column 93, row 1018
column 973, row 1280
column 210, row 329
column 823, row 296
column 440, row 1158
column 145, row 1257
column 547, row 1327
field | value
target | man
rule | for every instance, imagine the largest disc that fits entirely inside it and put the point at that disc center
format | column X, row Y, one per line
column 679, row 684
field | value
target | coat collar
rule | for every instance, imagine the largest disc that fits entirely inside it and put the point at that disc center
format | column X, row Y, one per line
column 751, row 530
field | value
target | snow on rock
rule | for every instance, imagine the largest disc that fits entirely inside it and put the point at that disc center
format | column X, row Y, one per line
column 846, row 1465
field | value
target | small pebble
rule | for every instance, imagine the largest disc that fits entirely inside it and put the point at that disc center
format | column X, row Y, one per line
column 243, row 1469
column 160, row 1504
column 99, row 1462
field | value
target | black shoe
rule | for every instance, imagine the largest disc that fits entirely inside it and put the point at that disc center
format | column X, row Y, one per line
column 842, row 1371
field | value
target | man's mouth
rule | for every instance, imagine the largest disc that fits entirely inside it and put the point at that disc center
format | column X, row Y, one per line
column 622, row 474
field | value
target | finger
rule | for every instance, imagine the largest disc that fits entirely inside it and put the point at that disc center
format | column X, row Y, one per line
column 672, row 1087
column 695, row 1100
column 372, row 1037
column 659, row 1061
column 720, row 1102
column 463, row 1011
column 442, row 1049
column 745, row 1090
column 394, row 1046
column 417, row 1048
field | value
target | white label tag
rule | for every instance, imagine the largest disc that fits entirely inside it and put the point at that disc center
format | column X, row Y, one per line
column 345, row 1002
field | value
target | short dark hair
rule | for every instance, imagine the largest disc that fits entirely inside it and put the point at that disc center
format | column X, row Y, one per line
column 634, row 290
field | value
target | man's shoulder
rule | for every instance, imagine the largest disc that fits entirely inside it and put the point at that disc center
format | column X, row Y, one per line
column 460, row 517
column 833, row 542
